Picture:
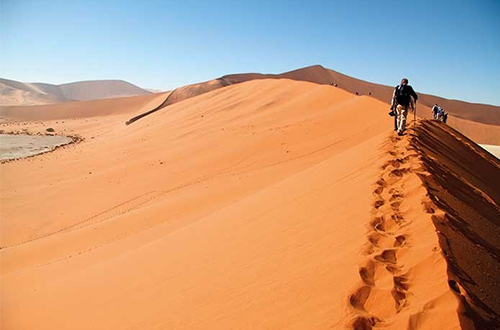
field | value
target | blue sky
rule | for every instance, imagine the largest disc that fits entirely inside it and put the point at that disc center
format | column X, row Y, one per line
column 447, row 48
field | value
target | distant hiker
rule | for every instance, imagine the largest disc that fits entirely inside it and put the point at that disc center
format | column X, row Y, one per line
column 403, row 99
column 444, row 116
column 435, row 111
column 439, row 113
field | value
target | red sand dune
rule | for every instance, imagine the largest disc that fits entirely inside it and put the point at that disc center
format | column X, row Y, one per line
column 481, row 113
column 268, row 204
column 478, row 121
column 86, row 109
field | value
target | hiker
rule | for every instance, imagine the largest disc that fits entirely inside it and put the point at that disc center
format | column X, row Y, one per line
column 442, row 115
column 439, row 113
column 403, row 98
column 435, row 111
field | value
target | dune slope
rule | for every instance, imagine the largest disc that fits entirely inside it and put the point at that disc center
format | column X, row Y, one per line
column 83, row 109
column 478, row 121
column 17, row 93
column 258, row 205
column 465, row 184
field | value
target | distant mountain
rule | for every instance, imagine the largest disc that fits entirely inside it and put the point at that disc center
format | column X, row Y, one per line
column 18, row 93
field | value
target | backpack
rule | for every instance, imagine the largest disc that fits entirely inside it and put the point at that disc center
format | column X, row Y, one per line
column 402, row 94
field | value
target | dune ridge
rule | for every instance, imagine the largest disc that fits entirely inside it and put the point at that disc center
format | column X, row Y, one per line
column 403, row 282
column 481, row 122
column 482, row 113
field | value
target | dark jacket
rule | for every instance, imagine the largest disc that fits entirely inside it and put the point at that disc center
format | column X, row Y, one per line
column 404, row 97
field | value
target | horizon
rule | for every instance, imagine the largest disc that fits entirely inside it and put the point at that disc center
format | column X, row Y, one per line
column 126, row 41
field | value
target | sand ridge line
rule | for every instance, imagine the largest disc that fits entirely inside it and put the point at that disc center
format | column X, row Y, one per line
column 385, row 281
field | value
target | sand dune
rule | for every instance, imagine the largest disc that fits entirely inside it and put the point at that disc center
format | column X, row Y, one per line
column 84, row 109
column 100, row 89
column 481, row 113
column 15, row 93
column 478, row 121
column 261, row 205
column 464, row 185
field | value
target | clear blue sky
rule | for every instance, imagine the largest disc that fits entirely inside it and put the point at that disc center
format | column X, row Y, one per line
column 448, row 48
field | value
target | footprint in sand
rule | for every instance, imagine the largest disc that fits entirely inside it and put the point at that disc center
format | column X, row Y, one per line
column 399, row 240
column 398, row 172
column 429, row 208
column 378, row 224
column 395, row 206
column 367, row 273
column 378, row 203
column 387, row 256
column 378, row 190
column 399, row 299
column 358, row 299
column 374, row 238
column 399, row 292
column 364, row 322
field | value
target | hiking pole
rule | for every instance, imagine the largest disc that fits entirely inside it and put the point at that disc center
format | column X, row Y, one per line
column 415, row 115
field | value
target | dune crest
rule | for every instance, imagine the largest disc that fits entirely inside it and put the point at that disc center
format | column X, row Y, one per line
column 480, row 122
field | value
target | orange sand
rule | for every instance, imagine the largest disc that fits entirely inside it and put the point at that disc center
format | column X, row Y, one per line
column 270, row 204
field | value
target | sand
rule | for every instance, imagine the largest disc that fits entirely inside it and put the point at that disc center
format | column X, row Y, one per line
column 268, row 204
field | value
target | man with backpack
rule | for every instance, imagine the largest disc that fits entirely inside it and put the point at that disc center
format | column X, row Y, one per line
column 403, row 97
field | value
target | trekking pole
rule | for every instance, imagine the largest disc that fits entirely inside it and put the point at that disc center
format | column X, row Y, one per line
column 415, row 115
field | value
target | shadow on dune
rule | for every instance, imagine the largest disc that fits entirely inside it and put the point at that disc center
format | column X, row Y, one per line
column 465, row 184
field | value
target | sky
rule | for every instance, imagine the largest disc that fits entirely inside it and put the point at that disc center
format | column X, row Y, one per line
column 446, row 48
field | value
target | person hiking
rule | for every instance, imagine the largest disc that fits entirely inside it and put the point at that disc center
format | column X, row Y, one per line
column 402, row 99
column 439, row 113
column 442, row 115
column 435, row 111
